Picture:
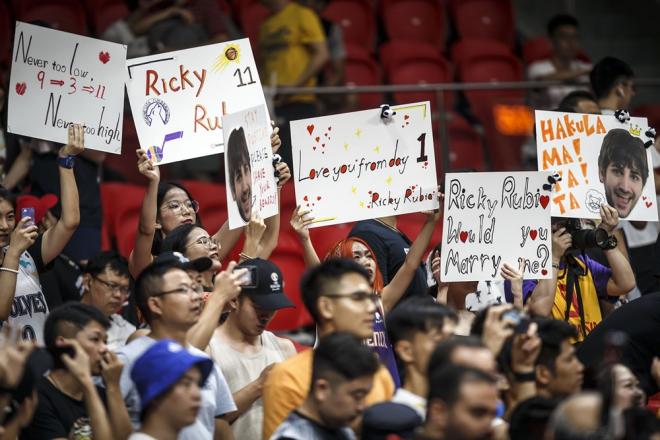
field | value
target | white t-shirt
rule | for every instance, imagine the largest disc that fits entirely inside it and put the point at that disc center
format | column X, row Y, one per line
column 216, row 397
column 412, row 400
column 141, row 436
column 119, row 331
column 552, row 96
column 240, row 369
column 29, row 308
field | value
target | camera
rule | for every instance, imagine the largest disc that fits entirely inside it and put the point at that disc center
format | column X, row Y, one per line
column 519, row 319
column 585, row 238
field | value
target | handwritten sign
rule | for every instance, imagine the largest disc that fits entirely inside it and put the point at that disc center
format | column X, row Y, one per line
column 178, row 98
column 58, row 78
column 251, row 186
column 601, row 161
column 356, row 166
column 495, row 218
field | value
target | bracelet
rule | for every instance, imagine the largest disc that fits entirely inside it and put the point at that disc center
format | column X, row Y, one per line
column 6, row 269
column 245, row 256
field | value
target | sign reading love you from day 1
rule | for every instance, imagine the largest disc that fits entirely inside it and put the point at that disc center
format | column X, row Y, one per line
column 495, row 218
column 601, row 160
column 178, row 98
column 251, row 185
column 58, row 79
column 357, row 166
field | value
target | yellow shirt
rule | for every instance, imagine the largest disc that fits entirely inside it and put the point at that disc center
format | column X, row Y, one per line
column 591, row 307
column 288, row 383
column 282, row 40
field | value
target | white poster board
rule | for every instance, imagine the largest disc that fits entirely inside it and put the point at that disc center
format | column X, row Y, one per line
column 251, row 185
column 572, row 143
column 178, row 98
column 357, row 166
column 495, row 218
column 58, row 78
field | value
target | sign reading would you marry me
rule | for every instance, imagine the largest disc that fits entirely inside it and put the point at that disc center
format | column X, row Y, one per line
column 357, row 166
column 496, row 218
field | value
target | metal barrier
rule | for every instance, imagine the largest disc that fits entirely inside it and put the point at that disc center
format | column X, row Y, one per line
column 439, row 90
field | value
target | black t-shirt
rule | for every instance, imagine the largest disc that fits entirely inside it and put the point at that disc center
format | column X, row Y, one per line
column 62, row 282
column 390, row 248
column 58, row 415
column 640, row 320
column 45, row 179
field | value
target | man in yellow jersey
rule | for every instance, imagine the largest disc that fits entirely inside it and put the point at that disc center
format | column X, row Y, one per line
column 293, row 50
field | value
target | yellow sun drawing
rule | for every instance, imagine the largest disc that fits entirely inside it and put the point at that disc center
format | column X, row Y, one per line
column 377, row 149
column 345, row 146
column 230, row 54
column 389, row 180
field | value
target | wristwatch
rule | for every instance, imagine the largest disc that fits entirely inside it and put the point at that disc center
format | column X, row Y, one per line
column 610, row 243
column 66, row 161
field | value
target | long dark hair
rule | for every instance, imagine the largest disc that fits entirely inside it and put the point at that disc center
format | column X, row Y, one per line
column 163, row 189
column 177, row 239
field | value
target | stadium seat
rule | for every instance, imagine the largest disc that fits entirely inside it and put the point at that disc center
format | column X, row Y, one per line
column 465, row 148
column 411, row 224
column 6, row 30
column 362, row 70
column 540, row 48
column 121, row 203
column 106, row 14
column 399, row 51
column 212, row 199
column 252, row 17
column 420, row 68
column 416, row 20
column 325, row 238
column 63, row 15
column 357, row 20
column 292, row 266
column 486, row 19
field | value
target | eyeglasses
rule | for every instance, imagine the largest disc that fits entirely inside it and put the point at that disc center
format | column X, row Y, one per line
column 124, row 290
column 360, row 296
column 177, row 205
column 183, row 290
column 207, row 242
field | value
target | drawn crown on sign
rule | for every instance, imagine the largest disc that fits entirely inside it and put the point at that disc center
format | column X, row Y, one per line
column 635, row 130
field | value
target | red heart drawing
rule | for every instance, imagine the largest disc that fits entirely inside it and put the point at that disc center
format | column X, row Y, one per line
column 20, row 88
column 544, row 272
column 318, row 198
column 329, row 128
column 464, row 236
column 532, row 234
column 317, row 138
column 406, row 117
column 310, row 129
column 305, row 198
column 314, row 148
column 648, row 204
column 323, row 145
column 644, row 197
column 104, row 57
column 544, row 201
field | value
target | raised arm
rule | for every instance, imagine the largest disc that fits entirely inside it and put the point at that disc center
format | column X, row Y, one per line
column 300, row 221
column 19, row 169
column 58, row 236
column 141, row 255
column 395, row 289
column 542, row 297
column 111, row 368
column 623, row 277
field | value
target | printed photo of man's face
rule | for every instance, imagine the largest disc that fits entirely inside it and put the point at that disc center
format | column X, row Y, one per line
column 240, row 172
column 623, row 170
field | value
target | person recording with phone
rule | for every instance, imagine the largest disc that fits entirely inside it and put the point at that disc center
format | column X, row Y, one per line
column 578, row 282
column 26, row 254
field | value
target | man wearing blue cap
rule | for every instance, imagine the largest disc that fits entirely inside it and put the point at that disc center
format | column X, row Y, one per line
column 172, row 304
column 244, row 350
column 169, row 380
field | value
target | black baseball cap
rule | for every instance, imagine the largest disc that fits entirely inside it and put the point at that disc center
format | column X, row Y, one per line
column 178, row 260
column 267, row 287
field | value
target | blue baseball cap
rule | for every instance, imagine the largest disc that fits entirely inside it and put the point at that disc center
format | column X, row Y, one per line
column 162, row 365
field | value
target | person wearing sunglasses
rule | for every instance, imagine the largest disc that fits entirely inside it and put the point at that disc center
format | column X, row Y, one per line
column 106, row 286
